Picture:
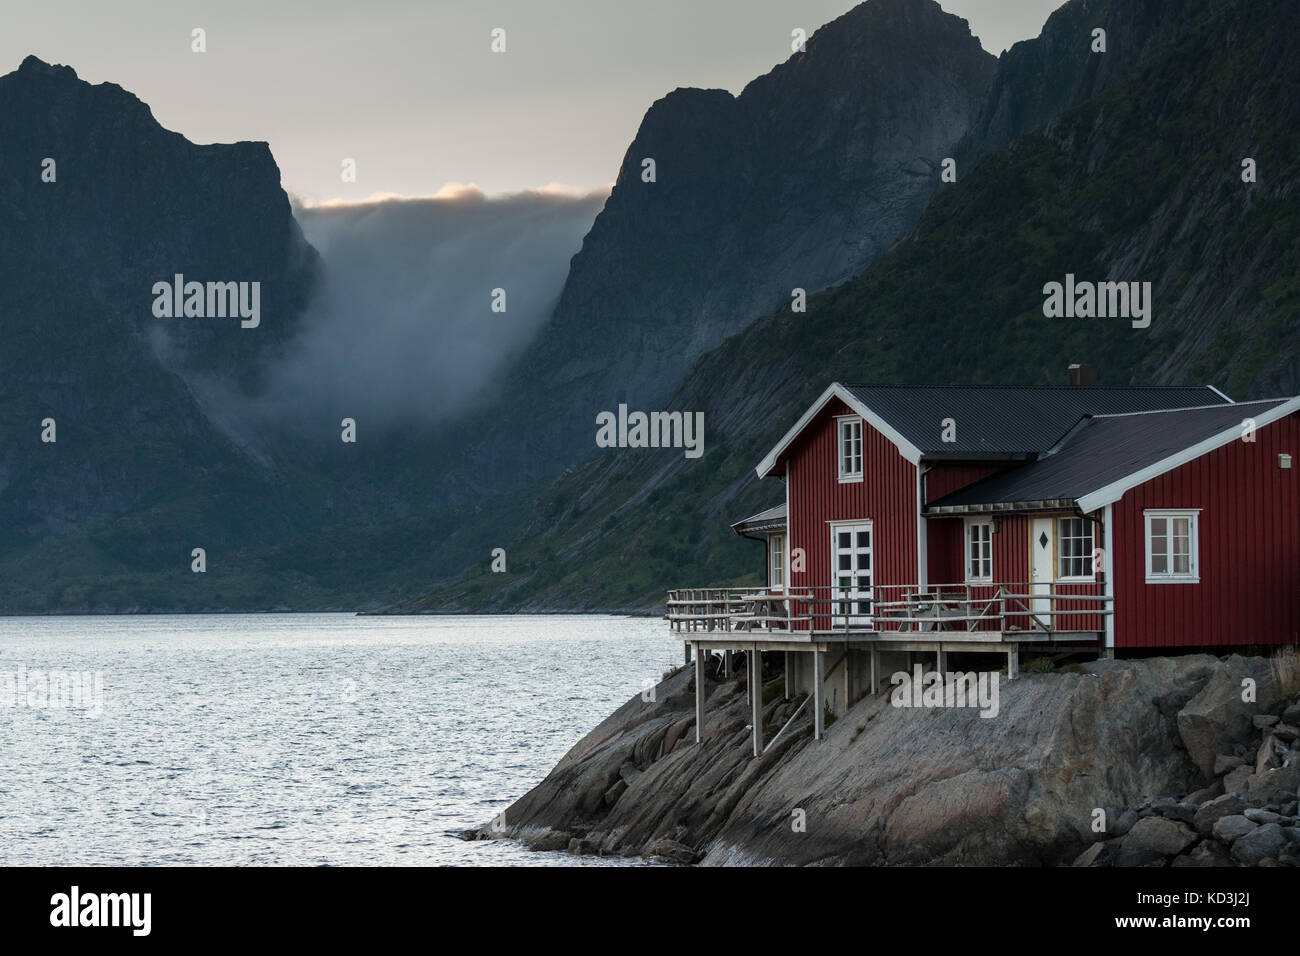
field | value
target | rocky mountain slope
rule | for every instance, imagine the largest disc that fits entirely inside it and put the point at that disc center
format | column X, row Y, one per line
column 903, row 786
column 799, row 182
column 1141, row 182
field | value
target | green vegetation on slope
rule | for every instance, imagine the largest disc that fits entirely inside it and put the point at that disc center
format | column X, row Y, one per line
column 1143, row 183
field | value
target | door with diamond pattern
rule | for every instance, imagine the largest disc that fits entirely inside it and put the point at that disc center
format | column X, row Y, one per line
column 1042, row 545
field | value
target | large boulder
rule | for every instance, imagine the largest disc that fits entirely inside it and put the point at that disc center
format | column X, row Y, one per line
column 1210, row 813
column 1153, row 839
column 908, row 786
column 1231, row 828
column 1217, row 718
column 1278, row 785
column 1263, row 843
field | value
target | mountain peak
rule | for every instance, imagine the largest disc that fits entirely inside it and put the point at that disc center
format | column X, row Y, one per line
column 33, row 65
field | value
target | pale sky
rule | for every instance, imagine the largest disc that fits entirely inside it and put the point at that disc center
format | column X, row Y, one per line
column 410, row 88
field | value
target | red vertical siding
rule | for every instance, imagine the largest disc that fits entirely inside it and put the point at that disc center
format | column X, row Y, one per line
column 1011, row 549
column 944, row 550
column 1248, row 545
column 1011, row 561
column 945, row 478
column 886, row 496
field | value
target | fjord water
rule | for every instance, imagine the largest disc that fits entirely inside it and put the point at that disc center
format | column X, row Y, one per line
column 303, row 739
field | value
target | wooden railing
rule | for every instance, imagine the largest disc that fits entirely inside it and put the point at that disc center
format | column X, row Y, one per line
column 1000, row 608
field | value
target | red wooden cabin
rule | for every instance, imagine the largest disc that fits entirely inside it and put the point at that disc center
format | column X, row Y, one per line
column 956, row 518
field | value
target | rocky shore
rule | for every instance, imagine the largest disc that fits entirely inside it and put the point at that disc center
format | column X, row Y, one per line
column 1186, row 761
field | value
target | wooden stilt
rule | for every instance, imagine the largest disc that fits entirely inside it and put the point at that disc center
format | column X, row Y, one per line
column 788, row 661
column 848, row 678
column 819, row 709
column 699, row 695
column 1013, row 662
column 875, row 672
column 756, row 697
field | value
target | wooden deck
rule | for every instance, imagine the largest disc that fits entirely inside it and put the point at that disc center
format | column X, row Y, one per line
column 972, row 615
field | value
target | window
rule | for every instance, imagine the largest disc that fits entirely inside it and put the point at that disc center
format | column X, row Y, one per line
column 1171, row 546
column 979, row 551
column 1074, row 546
column 850, row 445
column 776, row 560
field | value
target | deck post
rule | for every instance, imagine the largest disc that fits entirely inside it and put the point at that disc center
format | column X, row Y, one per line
column 726, row 663
column 819, row 706
column 941, row 660
column 848, row 678
column 699, row 696
column 875, row 671
column 787, row 675
column 688, row 652
column 756, row 696
column 1013, row 662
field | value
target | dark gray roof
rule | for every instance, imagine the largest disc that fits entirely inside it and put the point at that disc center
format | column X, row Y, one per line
column 773, row 519
column 1009, row 421
column 1102, row 450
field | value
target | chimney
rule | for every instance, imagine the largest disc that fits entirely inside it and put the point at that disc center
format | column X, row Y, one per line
column 1083, row 374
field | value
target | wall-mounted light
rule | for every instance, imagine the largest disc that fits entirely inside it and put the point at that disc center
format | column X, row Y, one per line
column 1284, row 460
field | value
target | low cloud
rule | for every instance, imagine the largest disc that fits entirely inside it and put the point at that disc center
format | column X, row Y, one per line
column 401, row 329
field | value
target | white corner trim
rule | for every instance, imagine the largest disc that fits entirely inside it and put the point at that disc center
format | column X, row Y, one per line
column 1109, row 494
column 1108, row 569
column 1221, row 395
column 836, row 390
column 922, row 533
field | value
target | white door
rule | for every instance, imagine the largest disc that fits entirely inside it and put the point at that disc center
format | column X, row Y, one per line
column 1042, row 543
column 851, row 546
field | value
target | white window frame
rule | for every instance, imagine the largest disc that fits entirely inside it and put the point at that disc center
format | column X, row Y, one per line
column 1090, row 530
column 1193, row 575
column 776, row 561
column 841, row 423
column 972, row 523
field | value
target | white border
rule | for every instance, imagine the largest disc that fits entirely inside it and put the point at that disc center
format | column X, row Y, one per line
column 1075, row 579
column 850, row 477
column 1194, row 546
column 965, row 554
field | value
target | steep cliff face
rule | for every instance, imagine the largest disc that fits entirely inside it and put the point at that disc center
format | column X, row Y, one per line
column 1142, row 182
column 798, row 182
column 1039, row 79
column 137, row 475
